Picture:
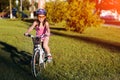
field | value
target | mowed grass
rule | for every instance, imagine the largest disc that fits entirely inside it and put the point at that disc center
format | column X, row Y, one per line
column 93, row 55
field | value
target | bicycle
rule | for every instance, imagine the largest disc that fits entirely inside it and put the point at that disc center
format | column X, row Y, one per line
column 39, row 55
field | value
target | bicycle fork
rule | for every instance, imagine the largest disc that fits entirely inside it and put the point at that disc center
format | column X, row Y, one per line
column 41, row 59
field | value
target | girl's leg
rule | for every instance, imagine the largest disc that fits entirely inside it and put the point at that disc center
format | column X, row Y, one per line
column 45, row 45
column 47, row 49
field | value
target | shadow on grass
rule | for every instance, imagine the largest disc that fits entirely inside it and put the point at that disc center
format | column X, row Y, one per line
column 16, row 61
column 58, row 28
column 19, row 59
column 28, row 20
column 105, row 43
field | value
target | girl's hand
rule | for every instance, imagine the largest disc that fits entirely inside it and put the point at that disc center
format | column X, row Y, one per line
column 48, row 34
column 26, row 34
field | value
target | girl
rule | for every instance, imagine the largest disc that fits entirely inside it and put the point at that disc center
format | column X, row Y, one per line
column 42, row 27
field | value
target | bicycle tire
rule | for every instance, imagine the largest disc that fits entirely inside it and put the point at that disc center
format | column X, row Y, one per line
column 37, row 67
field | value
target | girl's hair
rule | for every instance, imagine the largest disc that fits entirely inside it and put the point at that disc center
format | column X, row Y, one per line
column 43, row 22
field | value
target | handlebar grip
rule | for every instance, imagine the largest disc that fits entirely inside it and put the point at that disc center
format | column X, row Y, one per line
column 29, row 35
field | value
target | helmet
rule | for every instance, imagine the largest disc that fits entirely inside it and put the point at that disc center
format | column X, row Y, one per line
column 41, row 11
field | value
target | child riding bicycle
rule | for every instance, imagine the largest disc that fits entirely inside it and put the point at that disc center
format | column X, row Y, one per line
column 41, row 26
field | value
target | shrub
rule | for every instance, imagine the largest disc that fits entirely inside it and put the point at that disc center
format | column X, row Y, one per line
column 80, row 15
column 56, row 10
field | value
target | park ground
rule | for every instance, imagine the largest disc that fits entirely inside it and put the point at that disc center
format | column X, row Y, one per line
column 93, row 55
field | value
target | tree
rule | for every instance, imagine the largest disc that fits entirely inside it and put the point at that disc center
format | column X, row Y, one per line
column 107, row 5
column 80, row 15
column 26, row 4
column 56, row 10
column 5, row 3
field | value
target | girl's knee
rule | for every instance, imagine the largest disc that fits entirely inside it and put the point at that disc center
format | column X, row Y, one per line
column 45, row 46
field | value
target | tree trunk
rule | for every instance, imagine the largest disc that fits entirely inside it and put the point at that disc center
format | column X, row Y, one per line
column 10, row 3
column 41, row 4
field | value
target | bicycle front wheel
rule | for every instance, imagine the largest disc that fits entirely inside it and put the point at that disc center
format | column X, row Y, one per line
column 36, row 65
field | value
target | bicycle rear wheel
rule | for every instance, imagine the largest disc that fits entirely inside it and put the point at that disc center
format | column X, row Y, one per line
column 36, row 65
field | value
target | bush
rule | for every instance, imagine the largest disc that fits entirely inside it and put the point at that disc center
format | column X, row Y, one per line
column 81, row 15
column 56, row 11
column 78, row 14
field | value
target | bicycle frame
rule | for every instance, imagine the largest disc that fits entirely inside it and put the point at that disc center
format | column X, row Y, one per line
column 40, row 49
column 38, row 54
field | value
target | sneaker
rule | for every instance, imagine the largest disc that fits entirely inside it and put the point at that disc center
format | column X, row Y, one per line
column 49, row 58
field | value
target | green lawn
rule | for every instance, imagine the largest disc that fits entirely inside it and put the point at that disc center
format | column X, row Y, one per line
column 93, row 55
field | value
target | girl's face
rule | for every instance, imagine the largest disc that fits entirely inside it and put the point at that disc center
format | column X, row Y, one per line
column 41, row 18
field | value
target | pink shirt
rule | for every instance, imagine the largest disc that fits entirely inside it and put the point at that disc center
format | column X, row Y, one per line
column 40, row 30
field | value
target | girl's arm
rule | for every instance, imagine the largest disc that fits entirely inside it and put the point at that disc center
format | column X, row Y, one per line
column 48, row 28
column 31, row 28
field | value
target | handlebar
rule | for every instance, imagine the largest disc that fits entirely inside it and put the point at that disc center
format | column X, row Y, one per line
column 36, row 39
column 41, row 36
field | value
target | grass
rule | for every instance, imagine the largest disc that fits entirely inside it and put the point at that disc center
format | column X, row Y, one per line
column 93, row 55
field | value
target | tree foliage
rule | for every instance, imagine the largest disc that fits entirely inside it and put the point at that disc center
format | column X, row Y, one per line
column 5, row 4
column 108, row 5
column 81, row 15
column 26, row 4
column 78, row 14
column 56, row 10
